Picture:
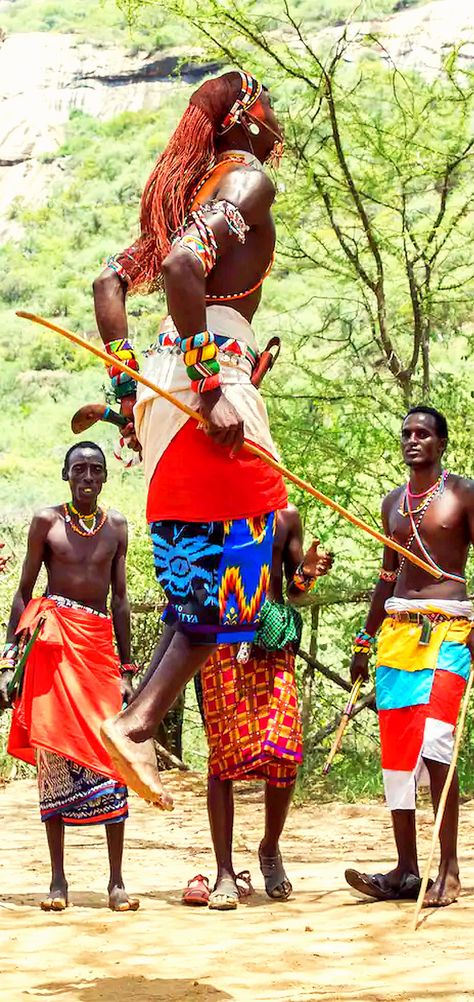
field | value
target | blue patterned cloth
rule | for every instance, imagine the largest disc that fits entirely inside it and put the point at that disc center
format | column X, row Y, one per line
column 80, row 796
column 215, row 575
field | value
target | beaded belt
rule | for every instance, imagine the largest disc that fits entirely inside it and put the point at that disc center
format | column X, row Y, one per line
column 69, row 603
column 420, row 617
column 237, row 350
column 427, row 620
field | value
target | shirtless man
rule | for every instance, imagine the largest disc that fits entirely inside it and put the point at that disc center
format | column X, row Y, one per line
column 73, row 677
column 207, row 237
column 424, row 652
column 252, row 718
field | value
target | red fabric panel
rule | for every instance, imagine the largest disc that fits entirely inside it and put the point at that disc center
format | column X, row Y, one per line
column 197, row 481
column 401, row 736
column 71, row 685
column 446, row 695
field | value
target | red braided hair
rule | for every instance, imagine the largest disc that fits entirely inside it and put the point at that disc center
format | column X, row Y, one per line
column 168, row 192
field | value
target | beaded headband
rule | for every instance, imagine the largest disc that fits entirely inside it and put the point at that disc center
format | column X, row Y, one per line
column 249, row 93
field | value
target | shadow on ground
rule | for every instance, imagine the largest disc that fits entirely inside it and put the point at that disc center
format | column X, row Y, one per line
column 138, row 989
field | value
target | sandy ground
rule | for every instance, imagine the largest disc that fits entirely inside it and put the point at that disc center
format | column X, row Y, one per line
column 321, row 945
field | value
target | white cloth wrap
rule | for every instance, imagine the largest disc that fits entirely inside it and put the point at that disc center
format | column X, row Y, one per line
column 157, row 421
column 444, row 606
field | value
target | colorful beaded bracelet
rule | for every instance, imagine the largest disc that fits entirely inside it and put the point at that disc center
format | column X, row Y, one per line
column 388, row 575
column 303, row 581
column 362, row 643
column 123, row 383
column 201, row 361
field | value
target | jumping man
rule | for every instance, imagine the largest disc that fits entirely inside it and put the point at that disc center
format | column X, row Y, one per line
column 207, row 237
column 424, row 652
column 73, row 678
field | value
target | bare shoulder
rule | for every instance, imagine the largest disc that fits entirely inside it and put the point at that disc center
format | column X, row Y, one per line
column 116, row 520
column 244, row 185
column 392, row 498
column 45, row 518
column 463, row 488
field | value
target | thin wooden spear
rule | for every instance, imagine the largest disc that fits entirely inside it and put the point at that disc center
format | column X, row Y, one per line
column 442, row 800
column 248, row 446
column 345, row 717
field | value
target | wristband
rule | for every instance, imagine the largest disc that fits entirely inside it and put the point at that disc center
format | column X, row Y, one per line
column 7, row 664
column 129, row 669
column 303, row 581
column 201, row 361
column 10, row 650
column 362, row 643
column 388, row 575
column 123, row 384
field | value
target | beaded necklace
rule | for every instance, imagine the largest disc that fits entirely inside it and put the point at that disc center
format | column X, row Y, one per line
column 415, row 525
column 85, row 530
column 422, row 509
column 405, row 507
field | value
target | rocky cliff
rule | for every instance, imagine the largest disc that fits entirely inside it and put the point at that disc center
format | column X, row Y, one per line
column 44, row 76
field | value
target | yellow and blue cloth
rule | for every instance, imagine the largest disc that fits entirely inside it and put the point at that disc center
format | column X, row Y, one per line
column 419, row 688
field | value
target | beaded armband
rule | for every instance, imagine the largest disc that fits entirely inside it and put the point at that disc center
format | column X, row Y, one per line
column 388, row 575
column 302, row 581
column 200, row 358
column 122, row 384
column 362, row 643
column 129, row 669
column 203, row 244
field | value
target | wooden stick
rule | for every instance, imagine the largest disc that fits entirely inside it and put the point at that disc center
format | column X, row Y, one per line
column 17, row 678
column 345, row 717
column 442, row 800
column 248, row 446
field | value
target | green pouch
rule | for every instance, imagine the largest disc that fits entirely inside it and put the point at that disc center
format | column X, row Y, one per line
column 280, row 625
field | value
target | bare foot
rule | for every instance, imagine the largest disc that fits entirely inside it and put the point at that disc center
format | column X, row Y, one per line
column 119, row 900
column 445, row 890
column 136, row 763
column 57, row 899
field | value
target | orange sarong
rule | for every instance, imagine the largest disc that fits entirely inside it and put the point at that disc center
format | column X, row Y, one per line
column 70, row 686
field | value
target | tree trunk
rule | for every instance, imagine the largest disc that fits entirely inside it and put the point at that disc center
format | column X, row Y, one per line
column 170, row 732
column 308, row 673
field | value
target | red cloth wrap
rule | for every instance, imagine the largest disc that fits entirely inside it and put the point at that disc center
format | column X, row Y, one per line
column 71, row 685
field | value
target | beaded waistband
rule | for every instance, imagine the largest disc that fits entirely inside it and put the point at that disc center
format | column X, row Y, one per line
column 70, row 603
column 235, row 350
column 421, row 617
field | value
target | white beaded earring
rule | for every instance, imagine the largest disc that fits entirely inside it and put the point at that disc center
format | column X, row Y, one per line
column 254, row 129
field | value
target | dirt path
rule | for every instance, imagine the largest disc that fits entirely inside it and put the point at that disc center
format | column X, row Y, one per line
column 322, row 945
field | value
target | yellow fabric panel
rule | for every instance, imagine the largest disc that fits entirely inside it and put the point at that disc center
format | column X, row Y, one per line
column 398, row 644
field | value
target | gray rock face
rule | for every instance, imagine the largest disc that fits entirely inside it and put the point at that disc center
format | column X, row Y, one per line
column 66, row 73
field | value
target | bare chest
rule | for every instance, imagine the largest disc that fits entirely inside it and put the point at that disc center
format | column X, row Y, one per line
column 85, row 552
column 441, row 524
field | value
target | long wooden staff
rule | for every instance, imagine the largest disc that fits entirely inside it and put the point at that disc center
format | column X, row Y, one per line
column 248, row 446
column 346, row 716
column 442, row 800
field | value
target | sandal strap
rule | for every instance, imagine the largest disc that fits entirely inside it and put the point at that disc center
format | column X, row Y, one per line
column 199, row 879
